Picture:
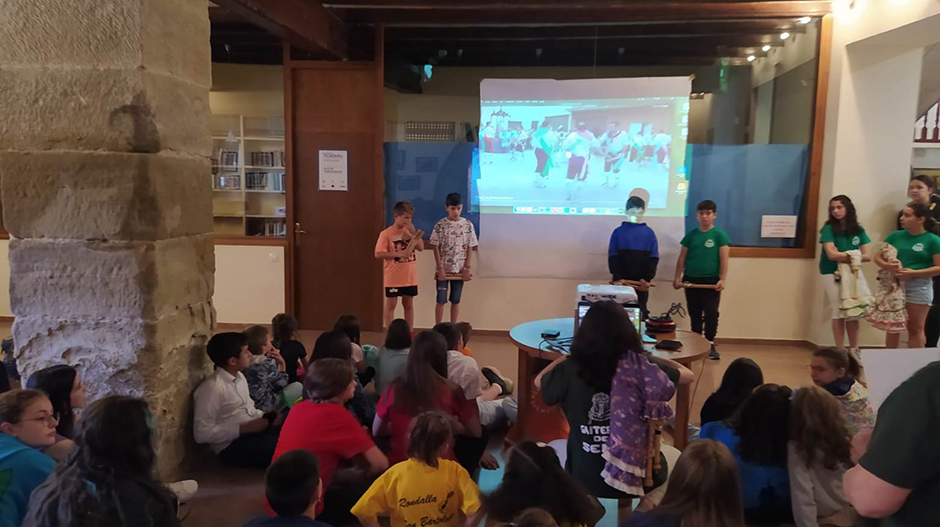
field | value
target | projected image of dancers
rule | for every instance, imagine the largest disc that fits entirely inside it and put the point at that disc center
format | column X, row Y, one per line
column 577, row 154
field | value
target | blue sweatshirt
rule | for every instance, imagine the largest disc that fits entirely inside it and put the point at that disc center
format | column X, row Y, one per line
column 22, row 469
column 633, row 253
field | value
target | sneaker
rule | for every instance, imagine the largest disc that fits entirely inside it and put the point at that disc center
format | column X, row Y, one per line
column 713, row 353
column 495, row 377
column 184, row 490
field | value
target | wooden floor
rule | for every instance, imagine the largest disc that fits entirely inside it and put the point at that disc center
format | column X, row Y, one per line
column 231, row 497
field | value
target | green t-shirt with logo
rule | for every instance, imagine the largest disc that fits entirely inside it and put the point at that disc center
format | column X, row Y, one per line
column 915, row 252
column 843, row 242
column 702, row 260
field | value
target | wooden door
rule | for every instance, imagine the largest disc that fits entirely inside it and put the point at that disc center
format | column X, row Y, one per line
column 335, row 106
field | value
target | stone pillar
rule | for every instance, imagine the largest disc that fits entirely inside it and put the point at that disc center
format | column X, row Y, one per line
column 105, row 190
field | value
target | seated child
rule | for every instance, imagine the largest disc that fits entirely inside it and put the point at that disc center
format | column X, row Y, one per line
column 323, row 426
column 836, row 370
column 757, row 435
column 110, row 478
column 27, row 423
column 425, row 489
column 465, row 372
column 739, row 380
column 293, row 488
column 267, row 376
column 534, row 477
column 349, row 324
column 393, row 356
column 284, row 332
column 465, row 331
column 818, row 454
column 336, row 345
column 704, row 489
column 225, row 417
column 423, row 387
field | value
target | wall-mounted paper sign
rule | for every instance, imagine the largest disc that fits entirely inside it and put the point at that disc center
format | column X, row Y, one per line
column 334, row 173
column 778, row 226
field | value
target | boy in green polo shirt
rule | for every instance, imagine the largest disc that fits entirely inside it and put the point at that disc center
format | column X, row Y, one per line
column 704, row 260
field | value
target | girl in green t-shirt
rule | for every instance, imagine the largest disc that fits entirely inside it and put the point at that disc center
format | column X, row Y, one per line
column 918, row 260
column 841, row 234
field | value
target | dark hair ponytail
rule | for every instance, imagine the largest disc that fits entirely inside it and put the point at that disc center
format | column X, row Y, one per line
column 923, row 211
column 840, row 358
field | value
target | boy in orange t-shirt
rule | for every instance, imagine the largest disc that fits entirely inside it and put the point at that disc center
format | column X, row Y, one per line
column 400, row 268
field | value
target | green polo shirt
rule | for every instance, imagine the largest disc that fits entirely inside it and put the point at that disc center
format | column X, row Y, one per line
column 843, row 242
column 702, row 260
column 915, row 252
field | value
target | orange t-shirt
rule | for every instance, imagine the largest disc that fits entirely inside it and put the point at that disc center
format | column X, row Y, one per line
column 398, row 272
column 467, row 352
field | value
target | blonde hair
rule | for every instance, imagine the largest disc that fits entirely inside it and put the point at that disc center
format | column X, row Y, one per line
column 704, row 487
column 818, row 428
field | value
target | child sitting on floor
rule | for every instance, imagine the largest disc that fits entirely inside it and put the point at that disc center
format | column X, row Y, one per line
column 704, row 490
column 425, row 489
column 293, row 487
column 836, row 371
column 534, row 477
column 267, row 374
column 393, row 356
column 818, row 454
column 336, row 345
column 225, row 417
column 465, row 331
column 349, row 324
column 739, row 380
column 284, row 333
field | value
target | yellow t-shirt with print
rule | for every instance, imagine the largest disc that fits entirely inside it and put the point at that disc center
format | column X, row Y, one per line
column 418, row 495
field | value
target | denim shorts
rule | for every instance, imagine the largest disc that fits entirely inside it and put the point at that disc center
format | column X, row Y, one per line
column 456, row 289
column 918, row 290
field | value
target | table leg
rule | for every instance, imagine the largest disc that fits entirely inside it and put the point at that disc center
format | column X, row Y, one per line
column 683, row 402
column 523, row 393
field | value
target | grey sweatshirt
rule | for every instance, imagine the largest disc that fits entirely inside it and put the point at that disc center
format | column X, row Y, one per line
column 815, row 492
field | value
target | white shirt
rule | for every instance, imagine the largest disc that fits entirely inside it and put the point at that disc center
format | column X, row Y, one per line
column 222, row 404
column 464, row 371
column 453, row 239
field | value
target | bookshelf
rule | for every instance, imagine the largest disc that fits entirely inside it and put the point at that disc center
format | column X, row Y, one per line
column 249, row 176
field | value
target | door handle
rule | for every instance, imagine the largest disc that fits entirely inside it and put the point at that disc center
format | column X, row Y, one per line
column 297, row 232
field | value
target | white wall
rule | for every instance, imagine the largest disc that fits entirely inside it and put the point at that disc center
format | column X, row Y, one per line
column 249, row 283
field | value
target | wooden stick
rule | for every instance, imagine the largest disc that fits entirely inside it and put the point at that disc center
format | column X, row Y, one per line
column 689, row 285
column 631, row 283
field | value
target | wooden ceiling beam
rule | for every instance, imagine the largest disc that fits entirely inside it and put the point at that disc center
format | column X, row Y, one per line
column 611, row 13
column 498, row 46
column 639, row 31
column 305, row 24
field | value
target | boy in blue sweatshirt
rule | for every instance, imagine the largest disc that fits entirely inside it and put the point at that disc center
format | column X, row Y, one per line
column 633, row 253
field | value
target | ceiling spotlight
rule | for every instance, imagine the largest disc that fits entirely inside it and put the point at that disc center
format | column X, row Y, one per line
column 750, row 58
column 765, row 48
column 805, row 20
column 784, row 35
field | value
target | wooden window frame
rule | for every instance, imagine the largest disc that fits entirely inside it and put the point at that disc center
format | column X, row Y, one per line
column 807, row 235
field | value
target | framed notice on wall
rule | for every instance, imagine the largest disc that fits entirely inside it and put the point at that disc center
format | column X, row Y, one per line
column 334, row 171
column 778, row 226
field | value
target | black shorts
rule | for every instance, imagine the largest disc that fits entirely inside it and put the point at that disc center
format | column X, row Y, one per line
column 395, row 292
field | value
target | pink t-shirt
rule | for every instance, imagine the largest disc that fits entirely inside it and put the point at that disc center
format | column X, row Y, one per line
column 398, row 272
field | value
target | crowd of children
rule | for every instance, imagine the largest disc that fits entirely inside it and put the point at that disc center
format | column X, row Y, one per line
column 350, row 433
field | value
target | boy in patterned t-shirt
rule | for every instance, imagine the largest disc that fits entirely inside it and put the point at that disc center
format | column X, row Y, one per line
column 453, row 239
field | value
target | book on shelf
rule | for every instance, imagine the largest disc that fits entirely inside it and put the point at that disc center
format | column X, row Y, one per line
column 279, row 182
column 275, row 228
column 256, row 181
column 274, row 158
column 227, row 159
column 228, row 181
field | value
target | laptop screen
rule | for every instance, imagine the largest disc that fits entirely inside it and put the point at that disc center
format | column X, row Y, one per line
column 632, row 311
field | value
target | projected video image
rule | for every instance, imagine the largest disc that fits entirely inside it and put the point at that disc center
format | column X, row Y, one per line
column 582, row 157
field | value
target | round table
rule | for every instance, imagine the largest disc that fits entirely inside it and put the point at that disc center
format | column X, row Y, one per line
column 544, row 423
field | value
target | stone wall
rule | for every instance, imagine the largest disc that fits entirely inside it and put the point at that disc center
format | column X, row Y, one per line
column 105, row 188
